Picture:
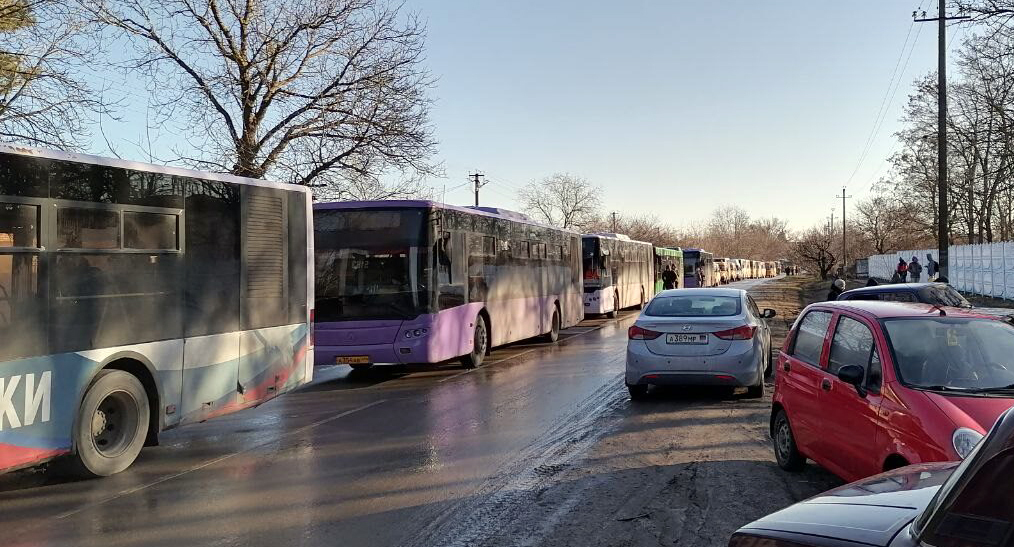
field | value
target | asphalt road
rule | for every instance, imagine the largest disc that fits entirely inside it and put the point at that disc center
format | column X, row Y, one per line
column 540, row 446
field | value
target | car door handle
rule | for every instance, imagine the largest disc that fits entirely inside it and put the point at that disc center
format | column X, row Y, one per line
column 786, row 366
column 825, row 384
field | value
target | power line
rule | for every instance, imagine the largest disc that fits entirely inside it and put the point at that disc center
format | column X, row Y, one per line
column 888, row 99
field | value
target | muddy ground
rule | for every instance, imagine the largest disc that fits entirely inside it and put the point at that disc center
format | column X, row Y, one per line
column 687, row 467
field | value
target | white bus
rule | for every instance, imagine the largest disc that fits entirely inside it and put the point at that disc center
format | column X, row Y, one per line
column 618, row 273
column 135, row 298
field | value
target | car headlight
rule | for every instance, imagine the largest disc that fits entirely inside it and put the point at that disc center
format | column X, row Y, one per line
column 964, row 441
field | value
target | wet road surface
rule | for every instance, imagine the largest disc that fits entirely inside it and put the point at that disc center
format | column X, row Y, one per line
column 413, row 456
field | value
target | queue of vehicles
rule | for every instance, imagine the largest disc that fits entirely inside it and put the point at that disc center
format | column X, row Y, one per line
column 136, row 298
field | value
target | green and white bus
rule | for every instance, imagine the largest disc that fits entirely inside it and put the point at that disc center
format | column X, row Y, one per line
column 665, row 258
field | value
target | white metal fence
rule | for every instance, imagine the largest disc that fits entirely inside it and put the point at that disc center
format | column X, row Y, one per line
column 986, row 269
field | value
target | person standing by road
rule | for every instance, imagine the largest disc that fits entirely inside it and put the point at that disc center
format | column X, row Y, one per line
column 669, row 278
column 902, row 269
column 837, row 287
column 700, row 276
column 915, row 269
column 932, row 268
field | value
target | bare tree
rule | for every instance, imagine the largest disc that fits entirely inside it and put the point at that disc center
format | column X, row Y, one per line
column 318, row 93
column 44, row 44
column 814, row 249
column 563, row 200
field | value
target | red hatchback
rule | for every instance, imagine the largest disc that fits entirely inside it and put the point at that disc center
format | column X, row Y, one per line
column 867, row 386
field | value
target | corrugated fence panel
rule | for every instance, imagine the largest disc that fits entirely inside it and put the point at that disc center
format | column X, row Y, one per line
column 986, row 269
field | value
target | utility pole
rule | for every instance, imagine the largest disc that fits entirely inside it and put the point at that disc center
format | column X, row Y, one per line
column 943, row 239
column 844, row 253
column 614, row 221
column 475, row 178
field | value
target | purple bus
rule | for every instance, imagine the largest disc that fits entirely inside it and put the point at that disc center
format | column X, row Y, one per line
column 424, row 282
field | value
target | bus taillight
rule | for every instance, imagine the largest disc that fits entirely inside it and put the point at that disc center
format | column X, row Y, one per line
column 312, row 313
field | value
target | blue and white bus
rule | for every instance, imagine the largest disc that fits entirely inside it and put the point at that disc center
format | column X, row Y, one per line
column 135, row 298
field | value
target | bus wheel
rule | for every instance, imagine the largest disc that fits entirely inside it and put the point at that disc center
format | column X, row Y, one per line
column 616, row 307
column 554, row 330
column 640, row 306
column 112, row 423
column 479, row 345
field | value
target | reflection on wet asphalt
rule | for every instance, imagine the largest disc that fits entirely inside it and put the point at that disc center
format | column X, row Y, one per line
column 423, row 455
column 388, row 456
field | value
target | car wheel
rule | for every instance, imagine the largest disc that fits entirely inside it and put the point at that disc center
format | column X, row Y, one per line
column 480, row 342
column 638, row 392
column 755, row 392
column 554, row 330
column 112, row 423
column 786, row 453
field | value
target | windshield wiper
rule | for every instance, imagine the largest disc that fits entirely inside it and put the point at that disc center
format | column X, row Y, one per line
column 996, row 389
column 943, row 388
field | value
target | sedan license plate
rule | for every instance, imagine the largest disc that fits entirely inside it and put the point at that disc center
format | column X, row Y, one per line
column 680, row 338
column 353, row 360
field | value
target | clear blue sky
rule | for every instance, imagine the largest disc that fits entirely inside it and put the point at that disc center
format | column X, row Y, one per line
column 673, row 107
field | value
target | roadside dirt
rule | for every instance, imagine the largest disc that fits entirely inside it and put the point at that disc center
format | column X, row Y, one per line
column 686, row 467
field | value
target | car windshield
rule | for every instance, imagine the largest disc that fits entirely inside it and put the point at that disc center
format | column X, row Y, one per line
column 694, row 306
column 944, row 295
column 953, row 353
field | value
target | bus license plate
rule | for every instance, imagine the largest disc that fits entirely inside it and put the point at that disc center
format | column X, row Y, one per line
column 353, row 360
column 680, row 338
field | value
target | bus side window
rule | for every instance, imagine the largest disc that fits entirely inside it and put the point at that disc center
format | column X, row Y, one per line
column 449, row 250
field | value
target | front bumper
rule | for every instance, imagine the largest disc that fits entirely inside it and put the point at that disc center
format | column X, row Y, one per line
column 740, row 366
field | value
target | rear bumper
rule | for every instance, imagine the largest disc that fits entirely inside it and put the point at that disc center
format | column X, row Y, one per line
column 738, row 367
column 597, row 303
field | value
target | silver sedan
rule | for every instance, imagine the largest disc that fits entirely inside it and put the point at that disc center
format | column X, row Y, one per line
column 708, row 337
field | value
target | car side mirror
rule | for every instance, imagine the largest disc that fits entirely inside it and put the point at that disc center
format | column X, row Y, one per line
column 768, row 313
column 854, row 375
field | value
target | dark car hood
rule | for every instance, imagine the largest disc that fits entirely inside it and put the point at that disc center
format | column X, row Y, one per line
column 870, row 511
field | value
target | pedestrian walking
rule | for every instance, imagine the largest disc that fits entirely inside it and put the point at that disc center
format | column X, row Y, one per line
column 669, row 278
column 914, row 269
column 932, row 267
column 902, row 270
column 700, row 276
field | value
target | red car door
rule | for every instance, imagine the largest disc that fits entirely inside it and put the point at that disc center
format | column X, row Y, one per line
column 800, row 378
column 850, row 414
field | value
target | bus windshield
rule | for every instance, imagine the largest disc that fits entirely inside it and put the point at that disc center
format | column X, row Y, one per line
column 690, row 263
column 371, row 264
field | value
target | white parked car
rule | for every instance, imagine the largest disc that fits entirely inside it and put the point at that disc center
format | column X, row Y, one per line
column 706, row 337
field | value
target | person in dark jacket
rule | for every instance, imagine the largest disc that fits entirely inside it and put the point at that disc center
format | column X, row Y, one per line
column 914, row 270
column 932, row 267
column 837, row 287
column 669, row 278
column 902, row 269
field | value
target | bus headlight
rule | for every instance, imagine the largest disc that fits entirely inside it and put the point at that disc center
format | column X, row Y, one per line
column 964, row 440
column 416, row 333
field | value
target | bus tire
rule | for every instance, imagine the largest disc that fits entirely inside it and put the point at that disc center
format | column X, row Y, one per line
column 480, row 343
column 616, row 306
column 640, row 306
column 112, row 424
column 554, row 326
